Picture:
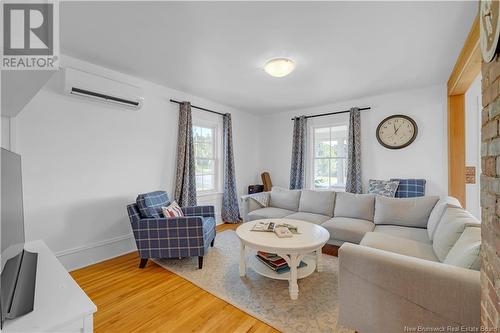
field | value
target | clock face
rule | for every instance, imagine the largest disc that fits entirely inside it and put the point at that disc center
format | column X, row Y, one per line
column 490, row 28
column 396, row 132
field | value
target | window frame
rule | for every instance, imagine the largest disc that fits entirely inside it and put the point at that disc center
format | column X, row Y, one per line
column 312, row 158
column 215, row 126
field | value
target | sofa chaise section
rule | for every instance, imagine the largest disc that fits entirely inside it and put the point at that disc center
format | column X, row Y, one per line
column 397, row 282
column 384, row 292
column 416, row 234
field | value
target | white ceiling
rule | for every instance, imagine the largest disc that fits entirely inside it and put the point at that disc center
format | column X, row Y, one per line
column 216, row 50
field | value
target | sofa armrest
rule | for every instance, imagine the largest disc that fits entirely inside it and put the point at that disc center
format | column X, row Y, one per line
column 248, row 204
column 204, row 211
column 381, row 291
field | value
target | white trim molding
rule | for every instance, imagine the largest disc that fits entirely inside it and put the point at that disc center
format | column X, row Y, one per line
column 93, row 253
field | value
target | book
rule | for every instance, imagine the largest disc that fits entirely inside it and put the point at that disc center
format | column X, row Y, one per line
column 263, row 226
column 282, row 232
column 281, row 268
column 271, row 226
column 268, row 256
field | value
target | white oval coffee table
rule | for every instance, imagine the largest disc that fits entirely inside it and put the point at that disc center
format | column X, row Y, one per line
column 311, row 238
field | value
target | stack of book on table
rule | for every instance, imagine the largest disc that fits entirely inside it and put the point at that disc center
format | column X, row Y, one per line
column 275, row 262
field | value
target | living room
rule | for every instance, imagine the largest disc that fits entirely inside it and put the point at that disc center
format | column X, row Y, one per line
column 138, row 165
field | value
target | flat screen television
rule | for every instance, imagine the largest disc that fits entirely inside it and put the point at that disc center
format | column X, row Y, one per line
column 18, row 274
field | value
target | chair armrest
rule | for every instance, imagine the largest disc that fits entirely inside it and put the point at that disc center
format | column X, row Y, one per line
column 436, row 292
column 204, row 211
column 171, row 223
column 169, row 237
column 248, row 204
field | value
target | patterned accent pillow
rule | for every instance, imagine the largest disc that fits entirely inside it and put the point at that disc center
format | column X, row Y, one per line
column 262, row 198
column 173, row 210
column 410, row 188
column 387, row 188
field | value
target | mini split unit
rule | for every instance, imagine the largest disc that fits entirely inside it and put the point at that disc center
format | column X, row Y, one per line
column 102, row 89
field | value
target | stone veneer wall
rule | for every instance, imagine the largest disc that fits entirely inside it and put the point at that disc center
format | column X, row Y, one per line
column 490, row 196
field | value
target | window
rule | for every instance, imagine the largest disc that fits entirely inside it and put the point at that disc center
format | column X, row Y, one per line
column 204, row 141
column 329, row 162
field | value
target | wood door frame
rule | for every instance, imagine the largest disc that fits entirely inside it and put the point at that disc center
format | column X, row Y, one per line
column 466, row 69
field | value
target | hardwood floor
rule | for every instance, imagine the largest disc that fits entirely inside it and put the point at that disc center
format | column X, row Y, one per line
column 153, row 299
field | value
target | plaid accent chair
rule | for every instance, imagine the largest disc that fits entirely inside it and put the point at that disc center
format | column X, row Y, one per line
column 176, row 237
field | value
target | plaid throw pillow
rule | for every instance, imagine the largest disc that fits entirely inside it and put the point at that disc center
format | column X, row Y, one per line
column 173, row 210
column 410, row 188
column 150, row 204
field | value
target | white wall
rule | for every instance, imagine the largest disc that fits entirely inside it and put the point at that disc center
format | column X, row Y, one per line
column 425, row 158
column 5, row 129
column 84, row 161
column 473, row 108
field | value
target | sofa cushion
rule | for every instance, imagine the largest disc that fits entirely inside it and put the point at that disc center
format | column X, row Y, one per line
column 410, row 188
column 450, row 228
column 399, row 245
column 407, row 212
column 356, row 206
column 268, row 213
column 387, row 188
column 437, row 213
column 348, row 229
column 465, row 252
column 416, row 234
column 150, row 204
column 318, row 202
column 308, row 217
column 284, row 199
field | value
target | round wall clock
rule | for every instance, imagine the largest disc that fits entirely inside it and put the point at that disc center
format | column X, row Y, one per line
column 489, row 12
column 397, row 131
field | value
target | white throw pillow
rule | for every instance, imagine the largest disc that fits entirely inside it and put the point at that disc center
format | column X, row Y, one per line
column 465, row 252
column 173, row 210
column 450, row 228
column 437, row 213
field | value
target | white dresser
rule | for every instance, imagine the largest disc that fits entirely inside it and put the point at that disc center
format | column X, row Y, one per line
column 60, row 304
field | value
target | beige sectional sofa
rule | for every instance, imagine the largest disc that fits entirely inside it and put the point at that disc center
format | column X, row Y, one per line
column 403, row 262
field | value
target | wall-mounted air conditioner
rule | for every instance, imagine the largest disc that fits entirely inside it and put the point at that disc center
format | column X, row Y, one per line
column 99, row 88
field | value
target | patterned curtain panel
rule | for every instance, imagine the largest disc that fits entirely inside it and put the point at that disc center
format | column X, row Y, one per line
column 353, row 181
column 297, row 169
column 230, row 209
column 185, row 180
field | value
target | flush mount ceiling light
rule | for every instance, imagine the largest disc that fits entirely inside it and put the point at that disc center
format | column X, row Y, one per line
column 279, row 67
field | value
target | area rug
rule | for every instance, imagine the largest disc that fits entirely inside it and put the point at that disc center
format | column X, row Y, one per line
column 316, row 310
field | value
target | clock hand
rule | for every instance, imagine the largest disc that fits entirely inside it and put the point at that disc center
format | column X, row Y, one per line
column 398, row 129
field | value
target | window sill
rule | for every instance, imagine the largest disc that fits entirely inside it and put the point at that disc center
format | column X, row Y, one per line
column 208, row 194
column 334, row 188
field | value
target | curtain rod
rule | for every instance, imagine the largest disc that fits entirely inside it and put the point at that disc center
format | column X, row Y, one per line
column 330, row 113
column 197, row 107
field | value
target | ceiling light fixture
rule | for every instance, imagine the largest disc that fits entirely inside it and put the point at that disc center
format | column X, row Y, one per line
column 279, row 67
